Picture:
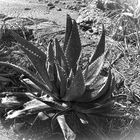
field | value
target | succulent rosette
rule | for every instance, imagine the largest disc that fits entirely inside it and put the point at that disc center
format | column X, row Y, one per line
column 65, row 88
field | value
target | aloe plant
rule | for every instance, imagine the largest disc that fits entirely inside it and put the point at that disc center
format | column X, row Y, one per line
column 66, row 90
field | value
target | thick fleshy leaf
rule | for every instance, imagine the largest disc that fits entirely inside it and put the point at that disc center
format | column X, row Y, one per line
column 104, row 86
column 31, row 107
column 53, row 104
column 50, row 70
column 68, row 31
column 55, row 82
column 100, row 47
column 76, row 125
column 103, row 98
column 34, row 79
column 60, row 57
column 70, row 78
column 98, row 82
column 77, row 87
column 1, row 32
column 31, row 85
column 36, row 105
column 54, row 118
column 63, row 80
column 94, row 70
column 36, row 56
column 50, row 60
column 67, row 132
column 50, row 53
column 73, row 49
column 58, row 51
column 101, row 108
column 97, row 91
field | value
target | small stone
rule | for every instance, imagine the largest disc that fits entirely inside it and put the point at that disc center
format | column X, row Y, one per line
column 57, row 1
column 83, row 5
column 79, row 2
column 74, row 7
column 27, row 8
column 51, row 7
column 50, row 4
column 42, row 116
column 79, row 19
column 59, row 9
column 90, row 30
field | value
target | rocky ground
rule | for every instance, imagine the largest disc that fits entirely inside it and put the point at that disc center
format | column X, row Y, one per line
column 42, row 16
column 47, row 18
column 48, row 12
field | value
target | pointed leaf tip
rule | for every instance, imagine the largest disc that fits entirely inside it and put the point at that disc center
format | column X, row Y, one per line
column 68, row 31
column 100, row 47
column 58, row 51
column 60, row 56
column 98, row 90
column 94, row 69
column 73, row 49
column 50, row 53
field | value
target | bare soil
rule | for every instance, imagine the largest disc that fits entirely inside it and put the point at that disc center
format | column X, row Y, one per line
column 36, row 10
